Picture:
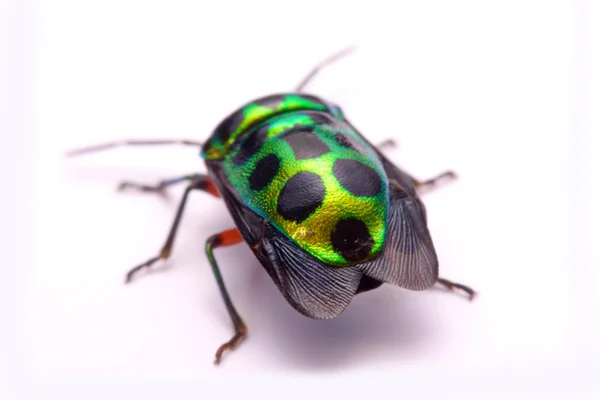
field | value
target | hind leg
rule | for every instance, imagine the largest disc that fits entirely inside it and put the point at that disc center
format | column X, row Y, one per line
column 457, row 286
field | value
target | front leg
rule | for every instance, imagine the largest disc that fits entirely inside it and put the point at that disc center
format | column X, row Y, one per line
column 160, row 187
column 224, row 239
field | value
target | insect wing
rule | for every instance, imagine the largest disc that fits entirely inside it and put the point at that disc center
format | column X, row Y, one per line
column 409, row 259
column 313, row 288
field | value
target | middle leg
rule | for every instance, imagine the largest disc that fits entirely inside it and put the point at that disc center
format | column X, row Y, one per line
column 224, row 239
column 435, row 181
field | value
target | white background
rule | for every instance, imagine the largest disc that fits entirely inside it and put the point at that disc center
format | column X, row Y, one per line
column 500, row 92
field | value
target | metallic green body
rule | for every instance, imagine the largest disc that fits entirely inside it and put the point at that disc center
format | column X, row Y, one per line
column 252, row 114
column 262, row 130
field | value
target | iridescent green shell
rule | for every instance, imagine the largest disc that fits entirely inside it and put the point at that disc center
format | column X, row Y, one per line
column 326, row 214
column 300, row 166
column 256, row 112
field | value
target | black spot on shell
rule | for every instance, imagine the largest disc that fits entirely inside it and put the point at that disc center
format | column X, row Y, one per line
column 351, row 239
column 305, row 143
column 229, row 125
column 301, row 195
column 357, row 178
column 348, row 142
column 250, row 146
column 264, row 172
column 320, row 117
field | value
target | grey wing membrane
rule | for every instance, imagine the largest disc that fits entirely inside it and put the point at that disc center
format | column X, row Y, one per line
column 313, row 288
column 409, row 259
column 394, row 173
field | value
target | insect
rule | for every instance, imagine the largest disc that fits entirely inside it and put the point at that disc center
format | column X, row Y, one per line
column 324, row 211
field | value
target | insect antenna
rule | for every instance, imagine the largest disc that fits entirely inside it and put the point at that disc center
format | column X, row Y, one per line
column 330, row 60
column 139, row 142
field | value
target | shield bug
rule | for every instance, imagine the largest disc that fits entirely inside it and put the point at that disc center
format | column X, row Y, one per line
column 324, row 211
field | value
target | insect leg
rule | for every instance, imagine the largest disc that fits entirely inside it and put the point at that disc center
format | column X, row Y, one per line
column 132, row 142
column 331, row 59
column 453, row 286
column 387, row 144
column 201, row 182
column 433, row 182
column 223, row 239
column 162, row 185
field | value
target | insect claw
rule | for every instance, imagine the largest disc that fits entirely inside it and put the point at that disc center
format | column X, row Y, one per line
column 452, row 287
column 450, row 175
column 122, row 186
column 221, row 350
column 135, row 270
column 390, row 144
column 218, row 355
column 158, row 189
column 129, row 276
column 240, row 334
